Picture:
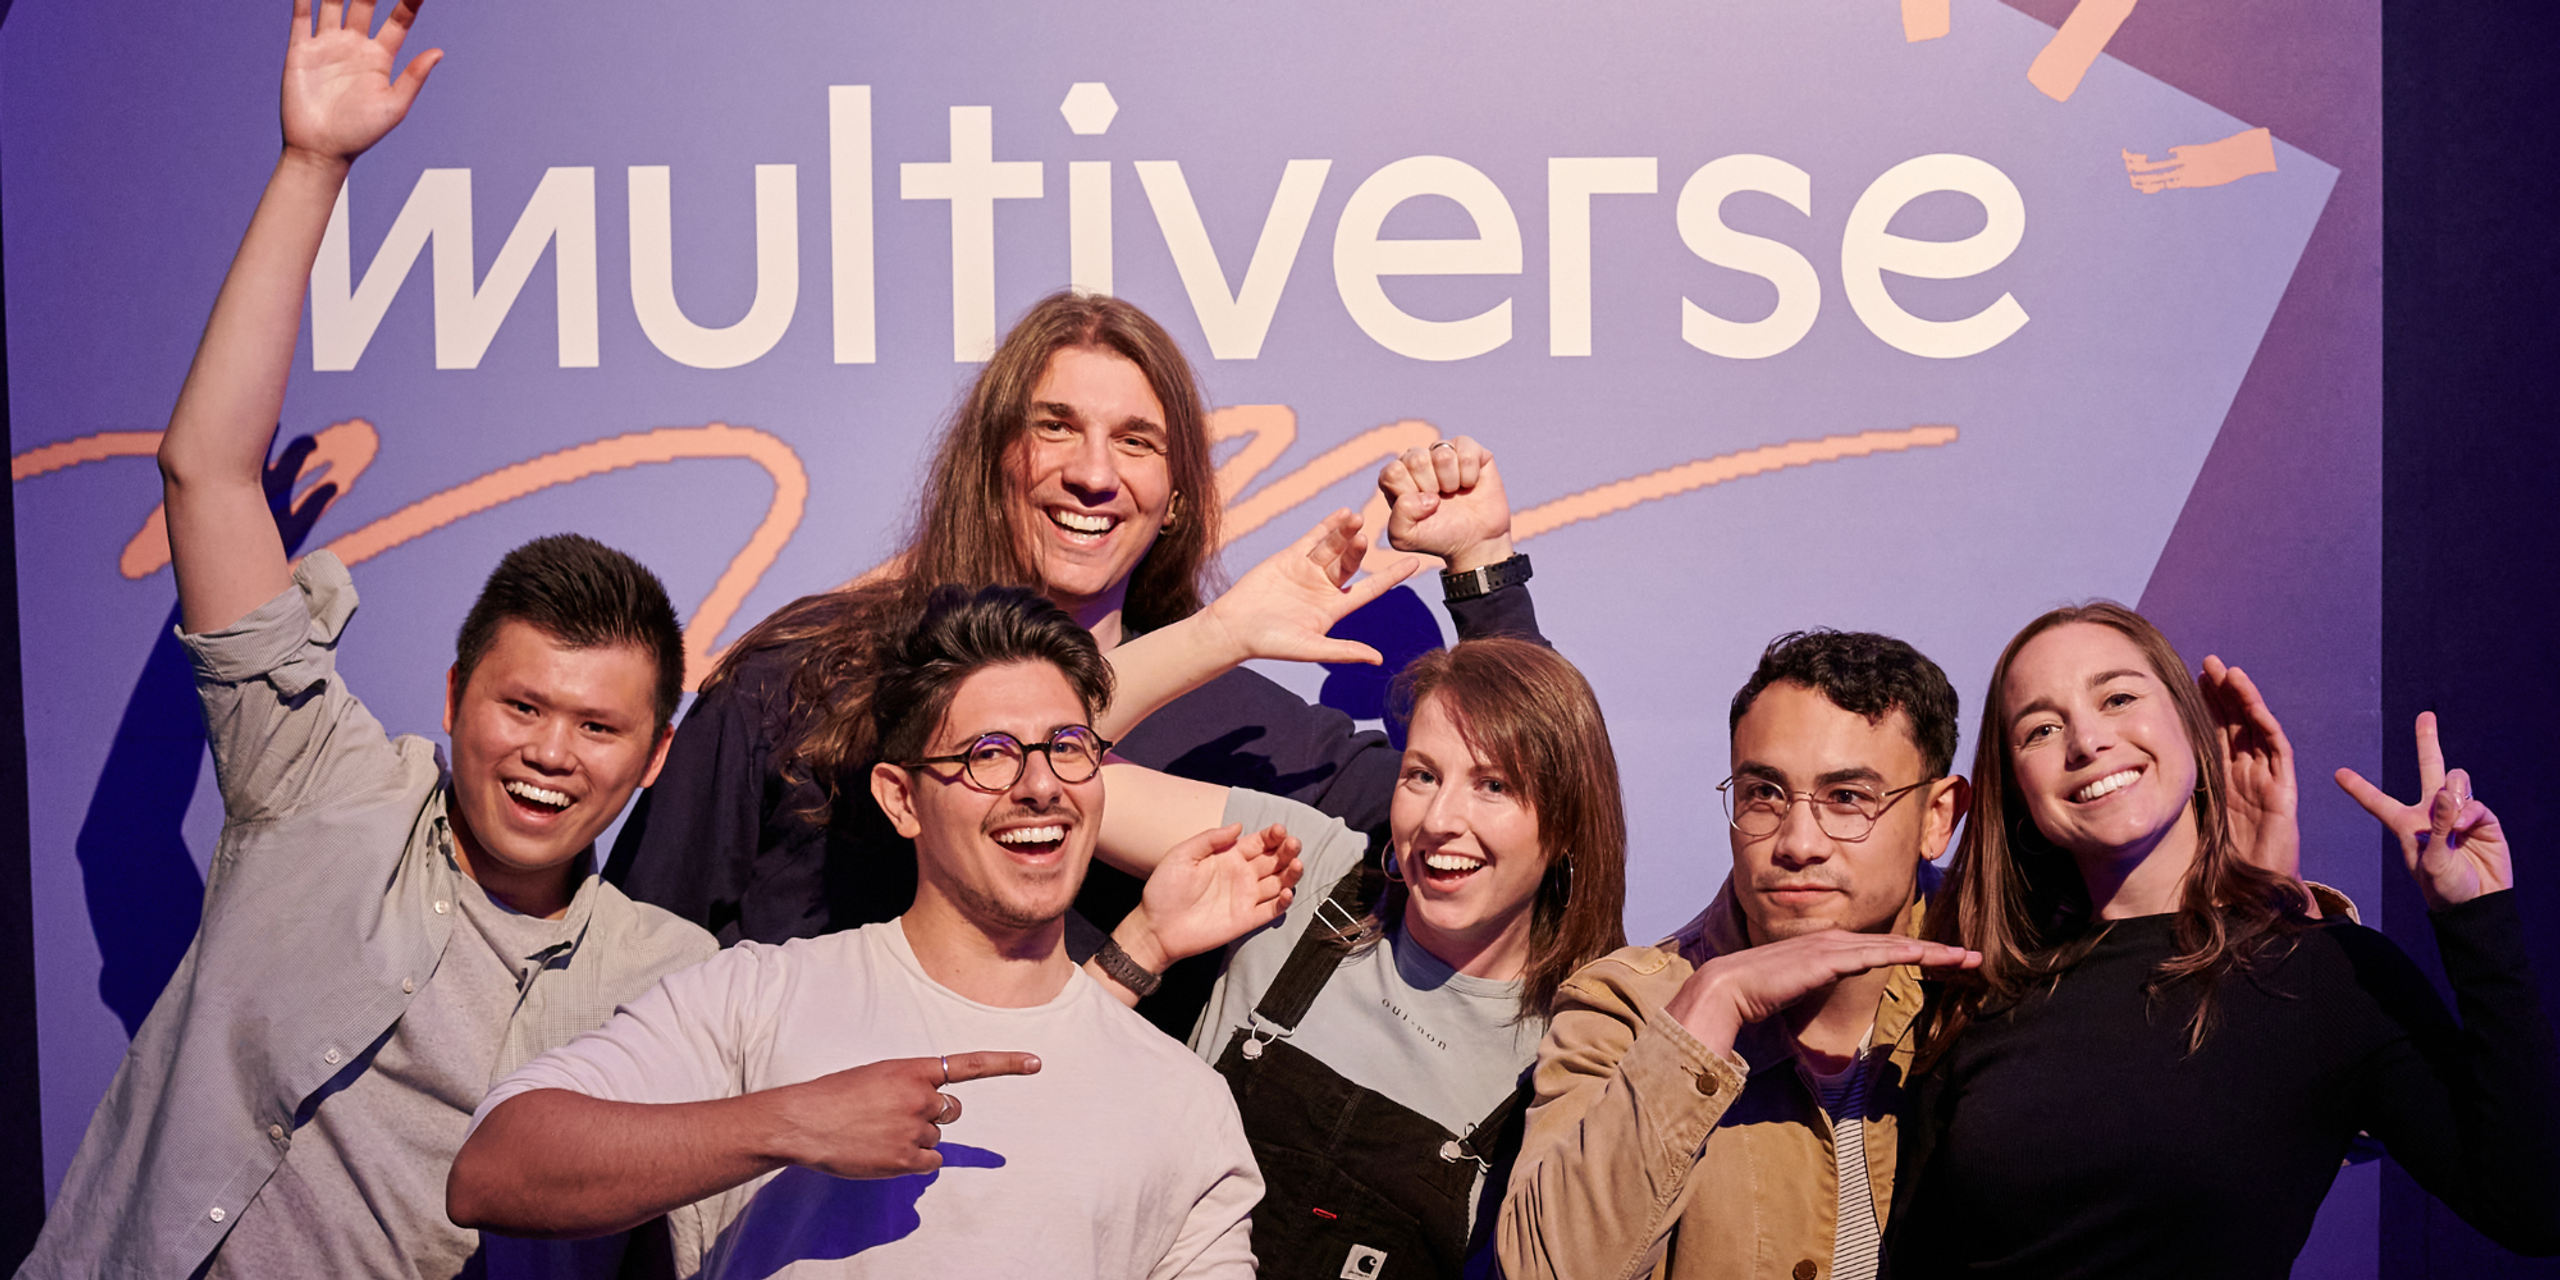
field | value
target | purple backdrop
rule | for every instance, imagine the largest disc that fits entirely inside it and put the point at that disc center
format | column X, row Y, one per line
column 2167, row 396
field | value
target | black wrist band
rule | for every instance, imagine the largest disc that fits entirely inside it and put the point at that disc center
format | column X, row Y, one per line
column 1125, row 970
column 1471, row 583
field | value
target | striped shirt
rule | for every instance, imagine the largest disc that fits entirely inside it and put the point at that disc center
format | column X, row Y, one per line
column 1856, row 1238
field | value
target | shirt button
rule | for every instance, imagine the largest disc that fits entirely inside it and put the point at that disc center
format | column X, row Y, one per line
column 330, row 1057
column 440, row 906
column 217, row 1214
column 408, row 986
column 276, row 1131
column 1805, row 1270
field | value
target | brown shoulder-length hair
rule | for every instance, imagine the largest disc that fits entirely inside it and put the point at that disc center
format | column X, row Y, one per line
column 962, row 535
column 1527, row 711
column 2018, row 898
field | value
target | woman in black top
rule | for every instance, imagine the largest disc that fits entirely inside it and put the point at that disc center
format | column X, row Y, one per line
column 2163, row 1058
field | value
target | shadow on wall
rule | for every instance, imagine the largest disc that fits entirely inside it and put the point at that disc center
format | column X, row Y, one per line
column 1400, row 627
column 144, row 894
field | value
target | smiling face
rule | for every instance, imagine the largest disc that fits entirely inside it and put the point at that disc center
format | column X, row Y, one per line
column 1798, row 880
column 1468, row 846
column 549, row 742
column 2096, row 746
column 1087, row 483
column 1006, row 861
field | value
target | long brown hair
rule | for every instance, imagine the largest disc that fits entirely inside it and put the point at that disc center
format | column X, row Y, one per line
column 2019, row 899
column 1525, row 709
column 963, row 536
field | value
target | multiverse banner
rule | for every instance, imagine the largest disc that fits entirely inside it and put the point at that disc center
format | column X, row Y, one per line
column 1918, row 319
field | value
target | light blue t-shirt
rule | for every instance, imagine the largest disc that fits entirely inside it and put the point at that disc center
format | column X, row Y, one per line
column 1393, row 1019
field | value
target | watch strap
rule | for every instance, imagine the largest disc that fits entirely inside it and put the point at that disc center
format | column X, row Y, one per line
column 1484, row 580
column 1127, row 971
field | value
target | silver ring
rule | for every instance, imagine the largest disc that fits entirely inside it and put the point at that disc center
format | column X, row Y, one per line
column 946, row 1070
column 943, row 1116
column 1442, row 444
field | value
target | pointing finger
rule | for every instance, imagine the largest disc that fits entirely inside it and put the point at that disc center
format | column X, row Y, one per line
column 979, row 1065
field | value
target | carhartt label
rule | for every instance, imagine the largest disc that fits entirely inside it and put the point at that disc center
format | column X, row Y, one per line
column 1363, row 1262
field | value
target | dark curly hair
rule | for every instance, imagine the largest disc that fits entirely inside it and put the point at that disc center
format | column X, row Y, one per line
column 961, row 632
column 1864, row 674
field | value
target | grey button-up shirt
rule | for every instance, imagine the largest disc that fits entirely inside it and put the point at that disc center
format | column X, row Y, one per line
column 329, row 904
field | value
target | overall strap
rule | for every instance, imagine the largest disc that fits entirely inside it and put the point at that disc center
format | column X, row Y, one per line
column 1480, row 1141
column 1321, row 948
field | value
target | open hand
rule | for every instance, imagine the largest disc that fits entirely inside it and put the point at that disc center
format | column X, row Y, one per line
column 1283, row 607
column 1732, row 991
column 2450, row 842
column 1446, row 500
column 884, row 1120
column 2257, row 759
column 339, row 94
column 1210, row 890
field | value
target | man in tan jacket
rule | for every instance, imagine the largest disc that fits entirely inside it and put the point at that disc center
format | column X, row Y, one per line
column 1723, row 1104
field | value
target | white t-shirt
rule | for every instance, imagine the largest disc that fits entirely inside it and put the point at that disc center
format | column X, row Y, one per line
column 1393, row 1019
column 1122, row 1157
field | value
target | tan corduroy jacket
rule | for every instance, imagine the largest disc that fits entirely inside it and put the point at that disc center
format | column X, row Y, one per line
column 1648, row 1155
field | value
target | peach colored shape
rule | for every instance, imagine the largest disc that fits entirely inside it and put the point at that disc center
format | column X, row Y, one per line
column 47, row 458
column 340, row 453
column 352, row 448
column 1924, row 20
column 2068, row 56
column 1360, row 452
column 666, row 444
column 2204, row 164
column 1273, row 427
column 1608, row 499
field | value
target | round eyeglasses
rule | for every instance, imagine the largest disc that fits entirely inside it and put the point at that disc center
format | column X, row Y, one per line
column 995, row 761
column 1845, row 811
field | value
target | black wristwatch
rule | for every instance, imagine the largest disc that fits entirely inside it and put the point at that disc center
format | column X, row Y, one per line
column 1455, row 587
column 1125, row 970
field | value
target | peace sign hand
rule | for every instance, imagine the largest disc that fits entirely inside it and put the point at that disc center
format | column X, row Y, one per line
column 2451, row 843
column 339, row 94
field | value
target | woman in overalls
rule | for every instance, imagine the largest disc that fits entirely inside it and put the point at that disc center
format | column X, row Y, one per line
column 1377, row 1035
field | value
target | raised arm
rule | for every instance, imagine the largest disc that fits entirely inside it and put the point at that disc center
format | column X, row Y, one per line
column 1446, row 500
column 1281, row 609
column 339, row 98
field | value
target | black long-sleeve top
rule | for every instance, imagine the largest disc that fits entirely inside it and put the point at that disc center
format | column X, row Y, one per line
column 721, row 840
column 2075, row 1135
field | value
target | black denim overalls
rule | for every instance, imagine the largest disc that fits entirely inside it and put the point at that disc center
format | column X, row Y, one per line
column 1359, row 1185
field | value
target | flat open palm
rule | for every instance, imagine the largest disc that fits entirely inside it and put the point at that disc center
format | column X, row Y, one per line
column 339, row 94
column 1218, row 886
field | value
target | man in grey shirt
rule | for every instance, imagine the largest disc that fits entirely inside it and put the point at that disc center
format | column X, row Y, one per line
column 383, row 935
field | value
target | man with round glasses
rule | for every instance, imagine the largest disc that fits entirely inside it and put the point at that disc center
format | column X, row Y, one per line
column 1726, row 1098
column 774, row 1100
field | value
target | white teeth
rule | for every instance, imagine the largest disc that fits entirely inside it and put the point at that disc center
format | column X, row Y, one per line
column 1031, row 835
column 1083, row 523
column 539, row 795
column 2107, row 785
column 1451, row 862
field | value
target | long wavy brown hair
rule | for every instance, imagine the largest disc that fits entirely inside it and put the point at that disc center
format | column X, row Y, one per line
column 963, row 536
column 1529, row 712
column 2018, row 898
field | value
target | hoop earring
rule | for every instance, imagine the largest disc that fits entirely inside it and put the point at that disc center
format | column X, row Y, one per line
column 1395, row 868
